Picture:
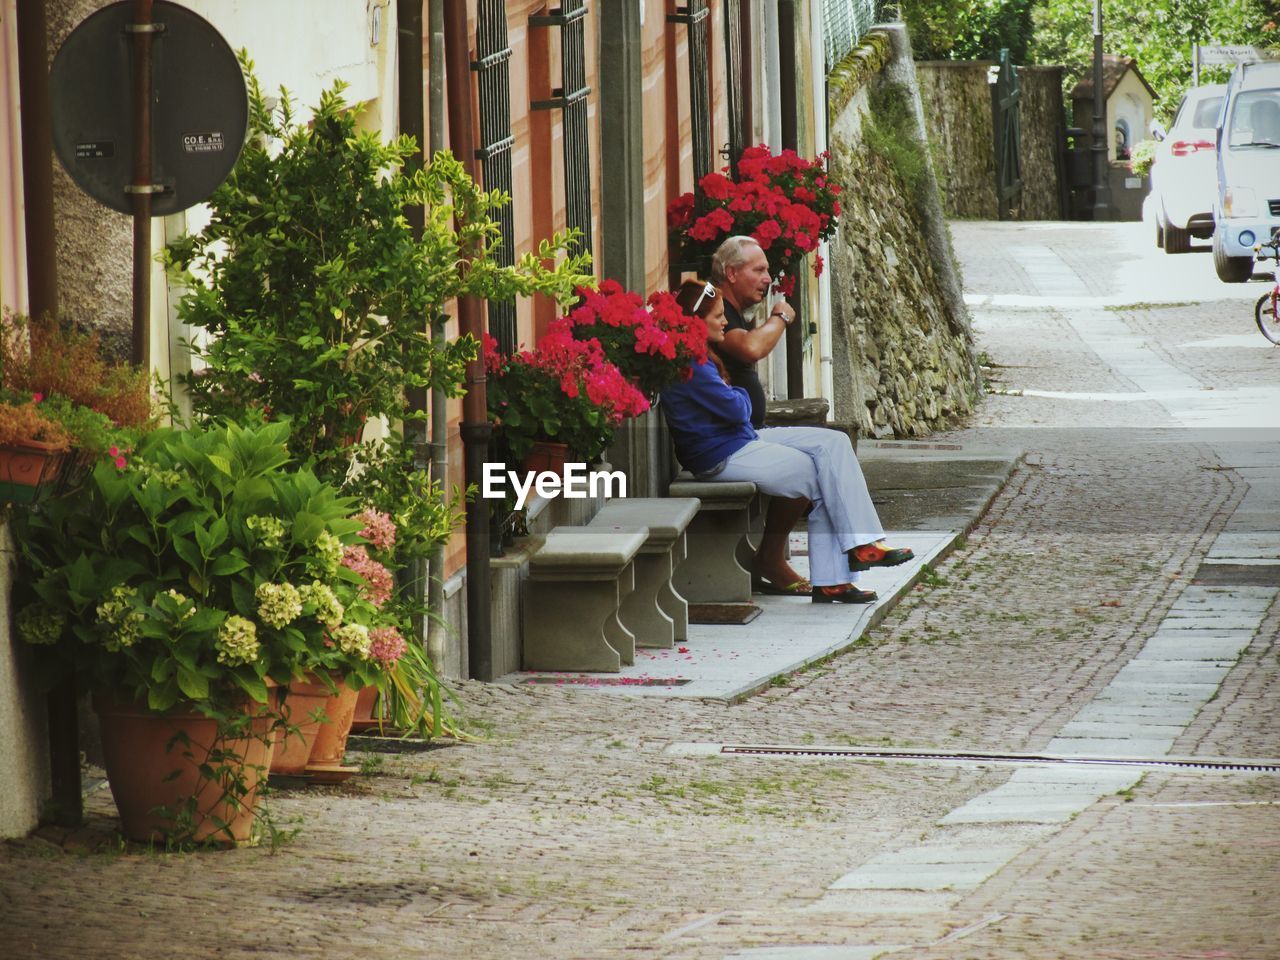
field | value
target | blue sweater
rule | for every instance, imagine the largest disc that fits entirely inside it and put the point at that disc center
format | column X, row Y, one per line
column 709, row 420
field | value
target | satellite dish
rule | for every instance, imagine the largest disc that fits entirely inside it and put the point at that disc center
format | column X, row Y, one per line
column 199, row 107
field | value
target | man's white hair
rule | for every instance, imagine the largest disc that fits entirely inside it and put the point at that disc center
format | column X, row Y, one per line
column 732, row 253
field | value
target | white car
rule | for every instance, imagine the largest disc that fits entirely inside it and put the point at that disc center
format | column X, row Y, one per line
column 1183, row 175
column 1247, row 208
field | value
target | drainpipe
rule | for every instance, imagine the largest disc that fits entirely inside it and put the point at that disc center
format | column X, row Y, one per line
column 409, row 71
column 42, row 293
column 788, row 16
column 476, row 429
column 439, row 403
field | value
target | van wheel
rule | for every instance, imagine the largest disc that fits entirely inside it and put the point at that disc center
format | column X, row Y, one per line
column 1230, row 269
column 1176, row 240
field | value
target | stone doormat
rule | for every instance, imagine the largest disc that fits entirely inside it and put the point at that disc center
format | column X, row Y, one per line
column 723, row 614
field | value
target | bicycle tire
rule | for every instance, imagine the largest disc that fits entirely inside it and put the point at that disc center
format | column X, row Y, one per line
column 1265, row 313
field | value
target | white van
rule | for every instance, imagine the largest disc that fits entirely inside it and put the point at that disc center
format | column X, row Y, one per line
column 1247, row 209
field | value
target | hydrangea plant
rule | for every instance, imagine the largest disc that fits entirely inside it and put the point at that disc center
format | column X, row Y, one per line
column 202, row 569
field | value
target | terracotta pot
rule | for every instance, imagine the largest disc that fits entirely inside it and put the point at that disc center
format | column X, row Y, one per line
column 153, row 759
column 366, row 704
column 331, row 739
column 546, row 455
column 26, row 467
column 302, row 707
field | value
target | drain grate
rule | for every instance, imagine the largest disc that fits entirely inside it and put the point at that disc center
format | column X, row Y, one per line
column 1238, row 575
column 613, row 681
column 860, row 753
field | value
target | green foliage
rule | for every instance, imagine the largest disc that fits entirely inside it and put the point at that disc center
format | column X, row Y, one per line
column 190, row 575
column 1142, row 156
column 890, row 131
column 1158, row 34
column 969, row 29
column 319, row 297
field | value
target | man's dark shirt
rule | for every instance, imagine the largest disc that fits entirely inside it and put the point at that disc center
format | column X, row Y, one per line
column 742, row 374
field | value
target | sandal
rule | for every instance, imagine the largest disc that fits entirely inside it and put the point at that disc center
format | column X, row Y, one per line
column 845, row 593
column 801, row 588
column 878, row 555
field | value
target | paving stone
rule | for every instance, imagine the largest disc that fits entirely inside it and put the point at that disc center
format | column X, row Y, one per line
column 1119, row 730
column 883, row 902
column 1232, row 621
column 1172, row 647
column 918, row 876
column 816, row 952
column 1174, row 672
column 1111, row 746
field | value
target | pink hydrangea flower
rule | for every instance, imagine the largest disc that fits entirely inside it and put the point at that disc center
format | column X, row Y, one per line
column 377, row 578
column 386, row 645
column 379, row 529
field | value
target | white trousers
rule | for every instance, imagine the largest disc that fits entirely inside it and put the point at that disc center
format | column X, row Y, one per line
column 820, row 465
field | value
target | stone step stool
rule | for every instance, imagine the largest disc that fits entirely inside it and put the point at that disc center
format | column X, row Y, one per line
column 719, row 551
column 577, row 581
column 655, row 611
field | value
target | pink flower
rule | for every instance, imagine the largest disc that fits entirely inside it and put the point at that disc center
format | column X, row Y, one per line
column 386, row 645
column 120, row 463
column 377, row 578
column 379, row 529
column 114, row 452
column 37, row 397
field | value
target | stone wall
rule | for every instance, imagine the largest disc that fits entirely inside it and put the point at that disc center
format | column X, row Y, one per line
column 957, row 113
column 902, row 340
column 94, row 245
column 957, row 109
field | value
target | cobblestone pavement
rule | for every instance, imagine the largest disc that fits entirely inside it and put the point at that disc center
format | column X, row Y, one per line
column 572, row 832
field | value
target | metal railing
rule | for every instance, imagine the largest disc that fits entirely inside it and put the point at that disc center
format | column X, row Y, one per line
column 845, row 22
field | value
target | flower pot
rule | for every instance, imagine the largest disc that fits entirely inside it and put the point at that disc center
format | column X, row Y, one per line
column 301, row 711
column 27, row 467
column 546, row 455
column 366, row 704
column 153, row 765
column 331, row 739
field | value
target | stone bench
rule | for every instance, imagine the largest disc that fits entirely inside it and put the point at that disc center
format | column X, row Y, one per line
column 578, row 580
column 654, row 611
column 720, row 550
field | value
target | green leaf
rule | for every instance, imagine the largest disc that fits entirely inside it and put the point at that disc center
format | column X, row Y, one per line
column 188, row 551
column 307, row 527
column 227, row 564
column 222, row 463
column 252, row 685
column 192, row 683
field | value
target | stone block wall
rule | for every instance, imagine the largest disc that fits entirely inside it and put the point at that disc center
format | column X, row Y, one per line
column 902, row 340
column 957, row 110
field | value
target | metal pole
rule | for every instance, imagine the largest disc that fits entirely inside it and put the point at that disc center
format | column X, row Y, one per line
column 1101, row 142
column 476, row 429
column 788, row 74
column 67, row 808
column 439, row 403
column 1195, row 64
column 141, row 33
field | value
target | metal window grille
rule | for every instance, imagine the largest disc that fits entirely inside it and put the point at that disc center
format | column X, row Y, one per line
column 571, row 99
column 695, row 17
column 844, row 23
column 493, row 70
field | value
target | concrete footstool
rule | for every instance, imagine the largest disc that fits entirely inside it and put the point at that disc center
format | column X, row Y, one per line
column 655, row 611
column 713, row 571
column 577, row 582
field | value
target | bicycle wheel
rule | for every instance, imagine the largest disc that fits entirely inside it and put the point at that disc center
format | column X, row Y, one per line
column 1265, row 314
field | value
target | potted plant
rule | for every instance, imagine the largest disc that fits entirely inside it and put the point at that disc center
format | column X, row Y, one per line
column 52, row 373
column 653, row 343
column 787, row 203
column 183, row 588
column 563, row 391
column 316, row 293
column 32, row 448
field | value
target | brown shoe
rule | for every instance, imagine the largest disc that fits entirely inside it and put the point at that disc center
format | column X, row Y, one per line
column 845, row 593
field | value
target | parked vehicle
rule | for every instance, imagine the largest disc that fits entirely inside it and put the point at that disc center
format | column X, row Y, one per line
column 1247, row 209
column 1180, row 203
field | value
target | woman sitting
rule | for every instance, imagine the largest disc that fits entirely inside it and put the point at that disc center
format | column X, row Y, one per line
column 814, row 467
